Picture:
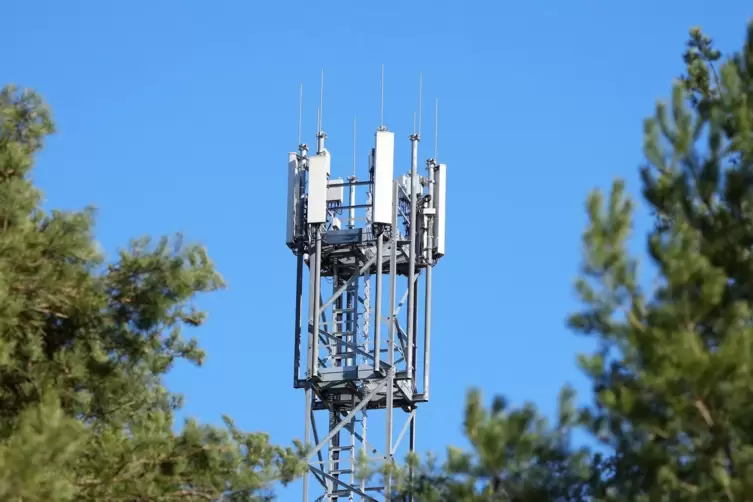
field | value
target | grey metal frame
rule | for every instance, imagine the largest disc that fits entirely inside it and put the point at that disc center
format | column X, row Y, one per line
column 350, row 366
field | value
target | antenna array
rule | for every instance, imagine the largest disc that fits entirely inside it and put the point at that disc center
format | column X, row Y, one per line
column 359, row 356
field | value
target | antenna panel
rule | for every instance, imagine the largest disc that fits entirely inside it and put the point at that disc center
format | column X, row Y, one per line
column 294, row 185
column 318, row 174
column 384, row 167
column 440, row 196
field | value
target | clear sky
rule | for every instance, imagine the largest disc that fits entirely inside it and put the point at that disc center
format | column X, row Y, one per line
column 178, row 115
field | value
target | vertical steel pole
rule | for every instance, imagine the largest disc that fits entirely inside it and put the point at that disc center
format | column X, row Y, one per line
column 309, row 338
column 352, row 197
column 334, row 452
column 298, row 315
column 317, row 302
column 337, row 326
column 414, row 343
column 365, row 332
column 412, row 254
column 431, row 167
column 352, row 296
column 307, row 439
column 391, row 336
column 378, row 300
column 427, row 333
column 363, row 445
column 352, row 446
column 351, row 320
column 320, row 141
column 337, row 329
column 412, row 446
column 312, row 315
column 312, row 351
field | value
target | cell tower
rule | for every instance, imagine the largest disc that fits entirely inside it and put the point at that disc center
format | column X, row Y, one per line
column 364, row 362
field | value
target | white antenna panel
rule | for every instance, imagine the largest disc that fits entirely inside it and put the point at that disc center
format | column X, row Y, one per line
column 318, row 175
column 384, row 167
column 294, row 192
column 440, row 196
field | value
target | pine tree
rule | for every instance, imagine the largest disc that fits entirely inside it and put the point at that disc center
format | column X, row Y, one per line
column 84, row 345
column 672, row 377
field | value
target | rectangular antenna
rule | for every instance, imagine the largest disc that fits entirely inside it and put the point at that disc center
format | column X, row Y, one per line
column 440, row 196
column 319, row 166
column 384, row 167
column 293, row 196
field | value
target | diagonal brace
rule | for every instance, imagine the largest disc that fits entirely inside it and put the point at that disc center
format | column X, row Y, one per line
column 342, row 483
column 319, row 454
column 352, row 430
column 350, row 415
column 402, row 432
column 400, row 304
column 347, row 284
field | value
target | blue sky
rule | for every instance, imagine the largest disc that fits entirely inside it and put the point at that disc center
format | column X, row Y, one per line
column 177, row 116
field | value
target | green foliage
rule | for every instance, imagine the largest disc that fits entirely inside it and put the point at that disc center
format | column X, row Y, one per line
column 516, row 456
column 673, row 383
column 672, row 374
column 84, row 346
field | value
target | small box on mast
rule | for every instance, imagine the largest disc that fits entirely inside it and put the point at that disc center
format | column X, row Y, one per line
column 336, row 191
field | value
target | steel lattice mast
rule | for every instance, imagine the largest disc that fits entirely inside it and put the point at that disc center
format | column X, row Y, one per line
column 354, row 365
